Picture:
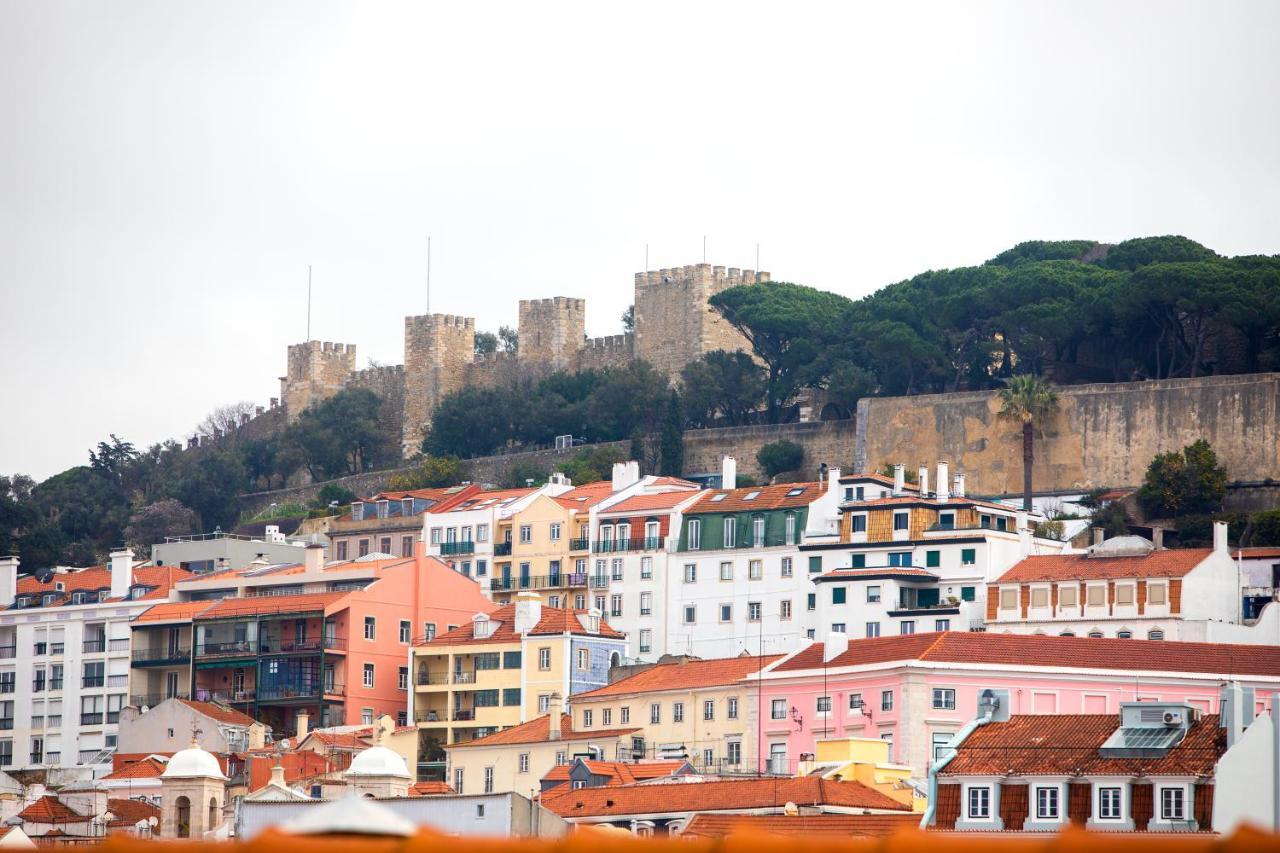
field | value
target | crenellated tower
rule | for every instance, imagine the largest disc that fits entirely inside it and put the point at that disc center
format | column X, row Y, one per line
column 438, row 349
column 551, row 331
column 316, row 370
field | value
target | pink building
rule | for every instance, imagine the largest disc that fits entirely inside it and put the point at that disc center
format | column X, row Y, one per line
column 916, row 691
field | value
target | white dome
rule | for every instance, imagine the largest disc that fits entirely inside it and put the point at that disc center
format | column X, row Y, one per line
column 1122, row 546
column 379, row 761
column 193, row 763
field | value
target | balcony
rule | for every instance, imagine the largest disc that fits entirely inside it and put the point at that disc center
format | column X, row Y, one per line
column 6, row 723
column 277, row 646
column 234, row 648
column 55, row 683
column 425, row 678
column 449, row 549
column 464, row 678
column 57, row 648
column 649, row 543
column 93, row 681
column 157, row 657
column 8, row 686
column 118, row 680
column 291, row 692
column 40, row 649
column 7, row 652
column 118, row 644
column 582, row 544
column 94, row 647
column 139, row 700
column 91, row 720
column 926, row 610
column 502, row 549
column 561, row 581
column 462, row 715
column 599, row 581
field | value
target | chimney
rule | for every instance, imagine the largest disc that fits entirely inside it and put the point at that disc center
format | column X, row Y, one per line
column 528, row 612
column 1231, row 711
column 625, row 474
column 922, row 480
column 8, row 580
column 121, row 573
column 1098, row 535
column 959, row 489
column 1157, row 538
column 277, row 775
column 1220, row 537
column 943, row 493
column 833, row 483
column 555, row 708
column 1025, row 541
column 728, row 473
column 899, row 479
column 837, row 644
column 304, row 726
column 313, row 558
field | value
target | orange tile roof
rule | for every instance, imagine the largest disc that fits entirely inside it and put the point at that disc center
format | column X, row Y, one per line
column 149, row 767
column 131, row 812
column 554, row 621
column 49, row 809
column 682, row 676
column 879, row 478
column 719, row 795
column 1258, row 553
column 219, row 713
column 1158, row 564
column 769, row 497
column 1067, row 744
column 1031, row 650
column 648, row 503
column 301, row 603
column 620, row 772
column 799, row 826
column 585, row 496
column 539, row 731
column 494, row 497
column 339, row 740
column 430, row 789
column 160, row 578
column 173, row 611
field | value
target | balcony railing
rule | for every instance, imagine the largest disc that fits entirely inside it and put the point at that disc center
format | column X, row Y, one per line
column 645, row 543
column 452, row 548
column 118, row 644
column 599, row 581
column 462, row 714
column 53, row 757
column 142, row 656
column 57, row 648
column 234, row 648
column 40, row 649
column 118, row 680
column 502, row 549
column 428, row 678
column 278, row 693
column 277, row 646
column 6, row 723
column 8, row 686
column 580, row 544
column 560, row 581
column 39, row 685
column 37, row 722
column 55, row 683
column 138, row 700
column 91, row 719
column 748, row 541
column 7, row 652
column 92, row 647
column 93, row 681
column 464, row 678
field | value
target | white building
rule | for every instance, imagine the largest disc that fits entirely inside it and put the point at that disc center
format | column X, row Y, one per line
column 1127, row 587
column 64, row 661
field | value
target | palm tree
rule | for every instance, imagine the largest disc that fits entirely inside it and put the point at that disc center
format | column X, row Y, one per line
column 1029, row 400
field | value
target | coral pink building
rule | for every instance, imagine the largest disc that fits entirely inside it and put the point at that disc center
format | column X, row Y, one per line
column 917, row 690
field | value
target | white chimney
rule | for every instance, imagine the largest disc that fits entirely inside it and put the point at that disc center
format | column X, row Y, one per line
column 313, row 558
column 554, row 709
column 304, row 725
column 121, row 573
column 943, row 482
column 837, row 644
column 1231, row 711
column 277, row 775
column 1025, row 541
column 1220, row 537
column 899, row 479
column 833, row 482
column 528, row 612
column 8, row 580
column 1098, row 535
column 625, row 474
column 959, row 489
column 728, row 473
column 922, row 480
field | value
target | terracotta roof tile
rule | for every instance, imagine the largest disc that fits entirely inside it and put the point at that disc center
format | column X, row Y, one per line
column 302, row 603
column 492, row 498
column 682, row 676
column 220, row 713
column 173, row 611
column 145, row 768
column 799, row 826
column 878, row 478
column 430, row 789
column 1174, row 563
column 1258, row 553
column 539, row 731
column 620, row 772
column 767, row 498
column 719, row 795
column 1067, row 744
column 131, row 812
column 554, row 621
column 585, row 496
column 1030, row 650
column 49, row 809
column 650, row 503
column 160, row 578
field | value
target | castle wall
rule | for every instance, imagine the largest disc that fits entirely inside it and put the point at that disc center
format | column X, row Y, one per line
column 387, row 381
column 823, row 441
column 438, row 350
column 611, row 351
column 316, row 370
column 551, row 331
column 1101, row 435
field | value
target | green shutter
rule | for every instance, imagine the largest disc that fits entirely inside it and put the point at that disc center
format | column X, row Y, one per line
column 859, row 561
column 968, row 556
column 837, row 595
column 967, row 593
column 815, row 563
column 932, row 559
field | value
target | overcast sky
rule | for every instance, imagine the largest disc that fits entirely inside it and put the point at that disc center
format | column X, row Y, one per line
column 168, row 170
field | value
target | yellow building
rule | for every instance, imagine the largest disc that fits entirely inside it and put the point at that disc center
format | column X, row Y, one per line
column 545, row 548
column 701, row 710
column 505, row 668
column 864, row 760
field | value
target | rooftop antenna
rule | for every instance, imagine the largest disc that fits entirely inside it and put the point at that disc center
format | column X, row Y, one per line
column 308, row 302
column 757, row 256
column 428, row 273
column 704, row 248
column 646, row 257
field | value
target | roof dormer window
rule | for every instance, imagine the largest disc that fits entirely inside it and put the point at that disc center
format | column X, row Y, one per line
column 59, row 586
column 384, row 509
column 357, row 511
column 406, row 506
column 48, row 598
column 79, row 597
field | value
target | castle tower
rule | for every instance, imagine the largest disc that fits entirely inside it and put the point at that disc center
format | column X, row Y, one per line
column 192, row 793
column 674, row 324
column 552, row 331
column 317, row 370
column 437, row 351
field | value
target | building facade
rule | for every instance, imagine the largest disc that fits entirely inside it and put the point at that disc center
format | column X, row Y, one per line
column 390, row 523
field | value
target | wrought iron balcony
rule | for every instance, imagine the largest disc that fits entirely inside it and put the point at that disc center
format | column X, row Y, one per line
column 451, row 548
column 142, row 657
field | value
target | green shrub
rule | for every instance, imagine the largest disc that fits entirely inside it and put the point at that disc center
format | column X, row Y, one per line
column 779, row 456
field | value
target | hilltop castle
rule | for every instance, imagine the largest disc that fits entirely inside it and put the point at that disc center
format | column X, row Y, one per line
column 673, row 326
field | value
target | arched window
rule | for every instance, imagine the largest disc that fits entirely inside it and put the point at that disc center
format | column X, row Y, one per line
column 1155, row 634
column 1095, row 634
column 615, row 659
column 1124, row 634
column 182, row 817
column 1067, row 634
column 215, row 813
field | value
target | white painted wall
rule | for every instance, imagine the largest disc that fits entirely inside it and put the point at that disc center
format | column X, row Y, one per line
column 1244, row 783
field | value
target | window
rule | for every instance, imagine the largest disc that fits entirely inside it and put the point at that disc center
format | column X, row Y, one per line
column 947, row 520
column 855, row 701
column 584, row 659
column 1039, row 596
column 708, row 709
column 646, row 568
column 873, row 629
column 406, row 630
column 968, row 556
column 732, row 708
column 968, row 593
column 1124, row 635
column 1124, row 594
column 815, row 564
column 588, row 718
column 838, row 594
column 753, row 611
column 429, row 631
column 655, row 713
column 615, row 604
column 1156, row 593
column 901, row 521
column 615, row 569
column 406, row 546
column 726, row 612
column 823, row 705
column 554, row 602
column 368, row 675
column 646, row 640
column 6, row 753
column 488, row 785
column 932, row 559
column 726, row 571
column 1155, row 634
column 580, row 602
column 900, row 558
column 690, row 572
column 606, row 717
column 402, row 677
column 457, row 779
column 435, row 536
column 784, row 608
column 941, row 741
column 858, row 523
column 979, row 803
column 690, row 614
column 482, row 533
column 544, row 703
column 886, row 700
column 786, row 567
column 1067, row 596
column 811, row 601
column 646, row 603
column 526, row 534
column 757, row 531
column 778, row 709
column 1096, row 595
column 1008, row 599
column 858, row 561
column 677, row 712
column 624, row 714
column 790, row 529
column 482, row 568
column 695, row 534
column 370, row 627
column 384, row 544
column 342, row 550
column 873, row 594
column 1047, row 803
column 942, row 624
column 755, row 570
column 944, row 698
column 511, row 660
column 1109, row 803
column 555, row 531
column 522, row 763
column 733, row 752
column 730, row 528
column 908, row 626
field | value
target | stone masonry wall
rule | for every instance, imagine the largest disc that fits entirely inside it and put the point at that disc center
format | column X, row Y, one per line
column 823, row 441
column 1101, row 435
column 611, row 351
column 438, row 350
column 551, row 331
column 316, row 370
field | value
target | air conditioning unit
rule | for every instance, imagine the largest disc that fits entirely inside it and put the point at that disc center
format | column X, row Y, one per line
column 1173, row 718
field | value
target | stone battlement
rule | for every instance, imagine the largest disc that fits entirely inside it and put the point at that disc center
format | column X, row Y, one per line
column 607, row 342
column 456, row 321
column 701, row 274
column 495, row 358
column 566, row 302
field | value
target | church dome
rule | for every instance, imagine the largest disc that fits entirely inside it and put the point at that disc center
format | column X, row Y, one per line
column 193, row 763
column 1122, row 546
column 379, row 761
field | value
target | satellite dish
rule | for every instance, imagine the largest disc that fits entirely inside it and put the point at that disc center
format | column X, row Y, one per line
column 284, row 744
column 152, row 821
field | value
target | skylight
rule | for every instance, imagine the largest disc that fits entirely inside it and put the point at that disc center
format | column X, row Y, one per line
column 794, row 492
column 718, row 498
column 751, row 496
